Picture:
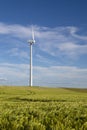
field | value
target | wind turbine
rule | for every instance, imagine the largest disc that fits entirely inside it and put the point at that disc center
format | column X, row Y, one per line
column 31, row 42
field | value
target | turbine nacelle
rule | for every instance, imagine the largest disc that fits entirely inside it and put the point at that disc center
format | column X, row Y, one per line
column 31, row 41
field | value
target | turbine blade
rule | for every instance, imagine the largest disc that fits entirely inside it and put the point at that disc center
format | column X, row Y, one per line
column 32, row 33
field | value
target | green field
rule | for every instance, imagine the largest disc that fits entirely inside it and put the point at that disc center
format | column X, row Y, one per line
column 38, row 108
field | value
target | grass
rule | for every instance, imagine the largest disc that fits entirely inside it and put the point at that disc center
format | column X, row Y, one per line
column 39, row 108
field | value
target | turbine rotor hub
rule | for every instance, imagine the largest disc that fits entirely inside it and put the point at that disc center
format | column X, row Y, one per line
column 31, row 41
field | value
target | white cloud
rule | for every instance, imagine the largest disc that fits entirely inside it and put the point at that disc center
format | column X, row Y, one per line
column 18, row 52
column 3, row 79
column 74, row 32
column 59, row 40
column 71, row 49
column 16, row 74
column 62, row 40
column 65, row 76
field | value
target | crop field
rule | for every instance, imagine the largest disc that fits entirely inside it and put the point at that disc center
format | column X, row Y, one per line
column 39, row 108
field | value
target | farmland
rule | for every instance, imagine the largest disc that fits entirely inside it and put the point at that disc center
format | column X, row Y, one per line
column 39, row 108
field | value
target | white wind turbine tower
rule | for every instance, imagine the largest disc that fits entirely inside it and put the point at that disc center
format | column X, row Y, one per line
column 31, row 42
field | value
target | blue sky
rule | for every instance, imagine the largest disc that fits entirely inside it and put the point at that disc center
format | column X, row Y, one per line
column 60, row 52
